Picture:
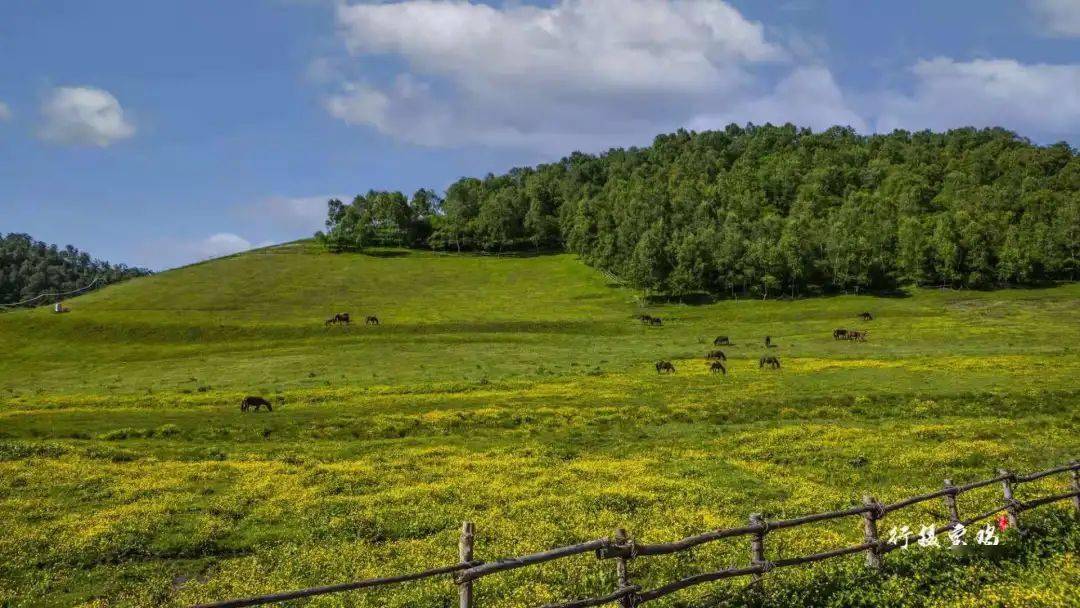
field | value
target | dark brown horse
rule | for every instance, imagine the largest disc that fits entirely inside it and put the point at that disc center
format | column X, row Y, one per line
column 839, row 334
column 341, row 317
column 371, row 320
column 252, row 402
column 769, row 361
column 722, row 341
column 717, row 366
column 655, row 321
column 665, row 367
column 865, row 316
column 716, row 354
column 768, row 341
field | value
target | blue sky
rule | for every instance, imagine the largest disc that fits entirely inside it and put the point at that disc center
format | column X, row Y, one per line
column 159, row 133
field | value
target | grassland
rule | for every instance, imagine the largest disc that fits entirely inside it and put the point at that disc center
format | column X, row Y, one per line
column 517, row 392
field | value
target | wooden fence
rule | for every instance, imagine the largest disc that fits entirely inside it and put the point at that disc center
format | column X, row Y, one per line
column 620, row 547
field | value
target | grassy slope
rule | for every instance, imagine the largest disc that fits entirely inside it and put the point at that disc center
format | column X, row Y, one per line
column 517, row 392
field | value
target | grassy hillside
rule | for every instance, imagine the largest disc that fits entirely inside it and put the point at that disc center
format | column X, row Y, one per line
column 518, row 392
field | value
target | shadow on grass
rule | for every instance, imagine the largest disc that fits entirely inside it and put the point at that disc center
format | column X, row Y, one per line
column 389, row 253
column 705, row 298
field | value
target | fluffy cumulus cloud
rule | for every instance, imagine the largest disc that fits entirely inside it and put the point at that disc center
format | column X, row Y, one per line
column 1058, row 17
column 590, row 74
column 520, row 75
column 165, row 252
column 217, row 245
column 1033, row 99
column 84, row 116
column 808, row 97
column 5, row 112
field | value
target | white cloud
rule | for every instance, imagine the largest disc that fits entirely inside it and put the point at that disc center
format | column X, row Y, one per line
column 1032, row 99
column 578, row 71
column 625, row 44
column 162, row 252
column 5, row 112
column 807, row 97
column 84, row 116
column 266, row 222
column 217, row 245
column 359, row 104
column 1058, row 17
column 591, row 74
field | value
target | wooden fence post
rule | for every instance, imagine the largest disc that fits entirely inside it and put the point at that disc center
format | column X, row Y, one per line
column 873, row 554
column 1076, row 487
column 1010, row 502
column 621, row 539
column 465, row 554
column 757, row 544
column 950, row 503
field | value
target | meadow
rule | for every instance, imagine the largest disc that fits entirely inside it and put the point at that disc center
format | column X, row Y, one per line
column 517, row 392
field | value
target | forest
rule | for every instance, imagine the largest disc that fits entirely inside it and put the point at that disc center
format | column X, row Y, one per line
column 764, row 210
column 29, row 268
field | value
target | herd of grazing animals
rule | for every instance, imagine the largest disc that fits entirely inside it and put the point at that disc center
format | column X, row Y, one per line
column 252, row 402
column 716, row 359
column 344, row 319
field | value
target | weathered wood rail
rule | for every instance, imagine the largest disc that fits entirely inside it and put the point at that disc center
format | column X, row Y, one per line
column 623, row 549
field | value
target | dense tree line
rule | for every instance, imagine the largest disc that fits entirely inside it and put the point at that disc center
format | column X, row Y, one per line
column 29, row 268
column 765, row 210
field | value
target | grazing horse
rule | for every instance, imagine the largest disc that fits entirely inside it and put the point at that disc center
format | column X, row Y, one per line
column 717, row 366
column 655, row 321
column 665, row 367
column 722, row 341
column 865, row 316
column 341, row 317
column 716, row 354
column 372, row 320
column 839, row 334
column 769, row 361
column 251, row 402
column 858, row 336
column 644, row 318
column 768, row 341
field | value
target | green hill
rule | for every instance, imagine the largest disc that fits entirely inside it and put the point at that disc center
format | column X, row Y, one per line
column 515, row 391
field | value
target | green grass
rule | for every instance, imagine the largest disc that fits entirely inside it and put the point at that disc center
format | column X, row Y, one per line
column 517, row 392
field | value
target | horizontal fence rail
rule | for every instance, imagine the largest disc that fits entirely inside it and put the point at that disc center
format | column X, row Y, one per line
column 370, row 582
column 623, row 549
